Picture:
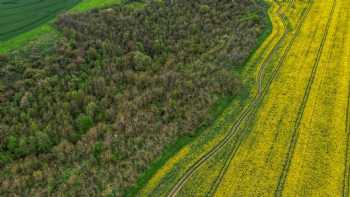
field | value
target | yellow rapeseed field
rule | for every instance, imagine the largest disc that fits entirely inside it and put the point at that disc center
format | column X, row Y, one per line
column 317, row 167
column 172, row 170
column 257, row 167
column 297, row 142
column 163, row 180
column 208, row 174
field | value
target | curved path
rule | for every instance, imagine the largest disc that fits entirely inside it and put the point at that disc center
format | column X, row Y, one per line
column 293, row 137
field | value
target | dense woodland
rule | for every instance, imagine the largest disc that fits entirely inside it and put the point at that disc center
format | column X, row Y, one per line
column 88, row 114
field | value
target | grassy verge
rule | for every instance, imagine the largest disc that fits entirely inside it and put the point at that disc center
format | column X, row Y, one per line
column 24, row 38
column 90, row 4
column 174, row 148
column 216, row 112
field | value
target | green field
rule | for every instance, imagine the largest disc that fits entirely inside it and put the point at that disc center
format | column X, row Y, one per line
column 18, row 16
column 32, row 30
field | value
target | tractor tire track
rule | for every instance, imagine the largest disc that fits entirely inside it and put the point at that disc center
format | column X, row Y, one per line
column 246, row 113
column 24, row 5
column 295, row 134
column 301, row 21
column 52, row 14
column 41, row 7
column 260, row 89
column 346, row 180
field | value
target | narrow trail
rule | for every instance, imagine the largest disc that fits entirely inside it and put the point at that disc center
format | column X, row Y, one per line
column 295, row 119
column 260, row 89
column 248, row 111
column 294, row 139
column 282, row 60
column 346, row 180
column 243, row 116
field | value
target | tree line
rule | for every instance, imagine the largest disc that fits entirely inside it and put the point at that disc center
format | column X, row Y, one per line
column 86, row 114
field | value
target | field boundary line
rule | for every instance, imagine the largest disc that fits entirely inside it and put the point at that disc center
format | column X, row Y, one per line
column 29, row 25
column 346, row 180
column 295, row 133
column 53, row 5
column 282, row 60
column 260, row 89
column 233, row 131
column 25, row 5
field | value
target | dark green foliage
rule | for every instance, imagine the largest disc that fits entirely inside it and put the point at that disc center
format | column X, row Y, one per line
column 97, row 150
column 84, row 123
column 4, row 158
column 43, row 142
column 86, row 116
column 140, row 61
column 12, row 144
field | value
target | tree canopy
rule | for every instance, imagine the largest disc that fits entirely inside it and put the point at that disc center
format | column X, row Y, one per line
column 88, row 114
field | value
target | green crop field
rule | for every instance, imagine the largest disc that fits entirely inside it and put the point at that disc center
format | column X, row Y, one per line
column 175, row 98
column 18, row 16
column 39, row 29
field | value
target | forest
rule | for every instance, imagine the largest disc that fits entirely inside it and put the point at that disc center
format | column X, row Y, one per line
column 86, row 114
